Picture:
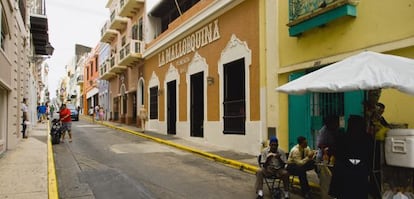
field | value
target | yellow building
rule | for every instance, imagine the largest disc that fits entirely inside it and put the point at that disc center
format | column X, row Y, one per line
column 316, row 33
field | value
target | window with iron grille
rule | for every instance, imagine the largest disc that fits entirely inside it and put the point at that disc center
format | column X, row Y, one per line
column 134, row 31
column 326, row 104
column 234, row 103
column 3, row 28
column 153, row 102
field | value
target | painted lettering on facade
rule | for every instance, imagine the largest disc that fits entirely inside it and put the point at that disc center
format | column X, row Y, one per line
column 191, row 43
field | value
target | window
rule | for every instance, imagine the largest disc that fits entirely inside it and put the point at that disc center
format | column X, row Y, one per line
column 124, row 103
column 325, row 104
column 123, row 41
column 168, row 11
column 154, row 102
column 137, row 30
column 142, row 93
column 140, row 30
column 87, row 72
column 134, row 31
column 3, row 28
column 234, row 98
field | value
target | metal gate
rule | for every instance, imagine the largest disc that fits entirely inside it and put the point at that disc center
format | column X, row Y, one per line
column 323, row 105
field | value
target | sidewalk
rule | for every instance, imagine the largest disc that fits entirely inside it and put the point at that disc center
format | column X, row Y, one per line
column 23, row 170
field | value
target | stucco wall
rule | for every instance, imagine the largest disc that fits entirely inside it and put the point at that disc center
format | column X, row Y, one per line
column 377, row 22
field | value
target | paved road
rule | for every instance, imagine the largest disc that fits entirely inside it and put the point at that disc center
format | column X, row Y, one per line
column 103, row 163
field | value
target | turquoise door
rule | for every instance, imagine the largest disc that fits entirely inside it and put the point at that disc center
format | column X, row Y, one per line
column 298, row 115
column 306, row 112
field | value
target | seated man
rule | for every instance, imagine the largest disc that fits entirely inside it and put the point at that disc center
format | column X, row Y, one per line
column 273, row 160
column 301, row 159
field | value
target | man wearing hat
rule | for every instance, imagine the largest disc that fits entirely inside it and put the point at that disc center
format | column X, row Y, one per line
column 273, row 160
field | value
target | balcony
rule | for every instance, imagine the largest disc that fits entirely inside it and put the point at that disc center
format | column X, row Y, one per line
column 308, row 14
column 79, row 80
column 131, row 53
column 129, row 8
column 108, row 35
column 104, row 72
column 114, row 67
column 117, row 22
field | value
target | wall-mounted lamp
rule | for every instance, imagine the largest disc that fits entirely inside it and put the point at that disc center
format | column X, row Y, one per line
column 210, row 80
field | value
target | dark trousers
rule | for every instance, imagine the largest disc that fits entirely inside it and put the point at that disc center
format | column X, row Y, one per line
column 24, row 125
column 300, row 171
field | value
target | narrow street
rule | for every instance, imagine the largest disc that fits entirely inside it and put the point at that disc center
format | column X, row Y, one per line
column 103, row 163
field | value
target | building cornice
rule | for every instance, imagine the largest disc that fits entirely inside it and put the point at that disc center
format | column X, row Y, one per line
column 198, row 20
column 385, row 47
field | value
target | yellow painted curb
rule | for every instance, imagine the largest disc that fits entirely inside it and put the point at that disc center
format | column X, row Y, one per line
column 53, row 192
column 233, row 163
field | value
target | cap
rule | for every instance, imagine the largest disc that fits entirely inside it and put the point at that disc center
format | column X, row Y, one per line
column 273, row 139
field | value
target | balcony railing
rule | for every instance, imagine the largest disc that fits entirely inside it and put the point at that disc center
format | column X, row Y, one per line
column 131, row 52
column 104, row 71
column 129, row 8
column 114, row 67
column 308, row 14
column 117, row 22
column 108, row 34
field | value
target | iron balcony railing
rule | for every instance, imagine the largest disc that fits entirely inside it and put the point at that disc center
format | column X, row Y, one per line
column 302, row 8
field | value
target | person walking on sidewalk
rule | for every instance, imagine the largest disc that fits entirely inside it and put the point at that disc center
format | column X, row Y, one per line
column 273, row 160
column 25, row 118
column 64, row 116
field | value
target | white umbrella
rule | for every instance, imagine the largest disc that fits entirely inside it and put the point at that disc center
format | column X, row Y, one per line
column 364, row 71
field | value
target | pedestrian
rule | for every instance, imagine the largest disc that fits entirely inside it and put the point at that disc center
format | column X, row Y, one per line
column 25, row 118
column 97, row 112
column 326, row 139
column 64, row 116
column 47, row 110
column 78, row 109
column 42, row 111
column 38, row 112
column 352, row 166
column 52, row 111
column 90, row 111
column 143, row 116
column 101, row 113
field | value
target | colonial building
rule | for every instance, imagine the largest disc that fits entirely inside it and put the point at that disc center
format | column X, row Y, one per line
column 124, row 33
column 197, row 68
column 91, row 74
column 313, row 34
column 23, row 48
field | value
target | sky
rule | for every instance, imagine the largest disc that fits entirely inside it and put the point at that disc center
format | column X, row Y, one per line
column 72, row 22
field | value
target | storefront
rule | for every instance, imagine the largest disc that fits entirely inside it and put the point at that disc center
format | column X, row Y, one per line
column 203, row 83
